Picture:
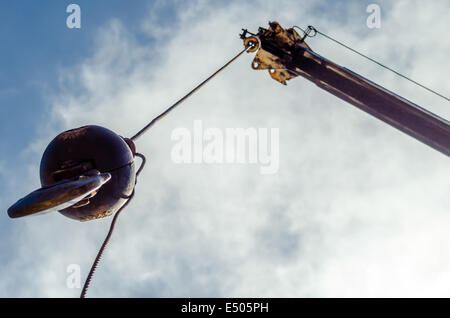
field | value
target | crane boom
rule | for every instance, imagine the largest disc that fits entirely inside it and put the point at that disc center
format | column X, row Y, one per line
column 285, row 54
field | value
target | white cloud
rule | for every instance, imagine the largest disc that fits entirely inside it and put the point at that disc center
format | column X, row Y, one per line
column 357, row 208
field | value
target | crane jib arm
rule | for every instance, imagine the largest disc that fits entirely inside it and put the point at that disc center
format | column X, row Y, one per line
column 285, row 54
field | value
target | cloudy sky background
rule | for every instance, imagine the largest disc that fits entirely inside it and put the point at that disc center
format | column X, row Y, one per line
column 356, row 208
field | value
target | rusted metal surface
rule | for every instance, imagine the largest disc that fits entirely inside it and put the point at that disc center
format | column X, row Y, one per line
column 91, row 147
column 282, row 49
column 277, row 39
column 103, row 149
column 86, row 173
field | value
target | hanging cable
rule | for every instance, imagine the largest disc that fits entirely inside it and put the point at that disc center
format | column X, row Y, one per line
column 310, row 29
column 102, row 248
column 108, row 236
column 154, row 120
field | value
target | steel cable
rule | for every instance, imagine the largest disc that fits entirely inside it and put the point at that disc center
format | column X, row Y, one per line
column 164, row 113
column 313, row 29
column 108, row 236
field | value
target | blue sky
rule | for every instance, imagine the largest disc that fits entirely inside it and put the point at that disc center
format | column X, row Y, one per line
column 345, row 216
column 35, row 44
